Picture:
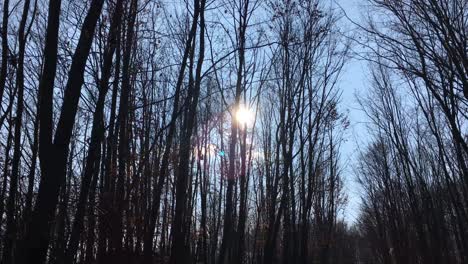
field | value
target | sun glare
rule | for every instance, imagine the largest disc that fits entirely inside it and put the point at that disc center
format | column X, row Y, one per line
column 244, row 116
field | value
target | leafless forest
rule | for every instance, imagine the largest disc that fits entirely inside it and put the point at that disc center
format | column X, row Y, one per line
column 211, row 131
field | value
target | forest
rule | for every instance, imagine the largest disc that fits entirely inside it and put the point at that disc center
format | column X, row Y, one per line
column 214, row 131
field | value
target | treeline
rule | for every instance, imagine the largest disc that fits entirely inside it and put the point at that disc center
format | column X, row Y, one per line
column 138, row 131
column 414, row 172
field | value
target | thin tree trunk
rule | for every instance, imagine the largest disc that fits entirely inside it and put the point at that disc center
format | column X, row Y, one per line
column 4, row 36
column 5, row 172
column 228, row 230
column 91, row 218
column 108, row 176
column 120, row 197
column 180, row 253
column 11, row 224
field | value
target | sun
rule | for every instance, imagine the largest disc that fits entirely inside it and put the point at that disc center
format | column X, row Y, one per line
column 244, row 116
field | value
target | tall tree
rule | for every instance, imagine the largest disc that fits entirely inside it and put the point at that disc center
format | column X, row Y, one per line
column 180, row 251
column 97, row 135
column 53, row 154
column 11, row 225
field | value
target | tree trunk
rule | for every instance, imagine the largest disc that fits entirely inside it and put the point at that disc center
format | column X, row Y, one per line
column 4, row 36
column 53, row 156
column 148, row 240
column 12, row 224
column 180, row 253
column 120, row 197
column 97, row 135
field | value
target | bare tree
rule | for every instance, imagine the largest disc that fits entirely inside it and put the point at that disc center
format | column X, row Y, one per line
column 37, row 239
